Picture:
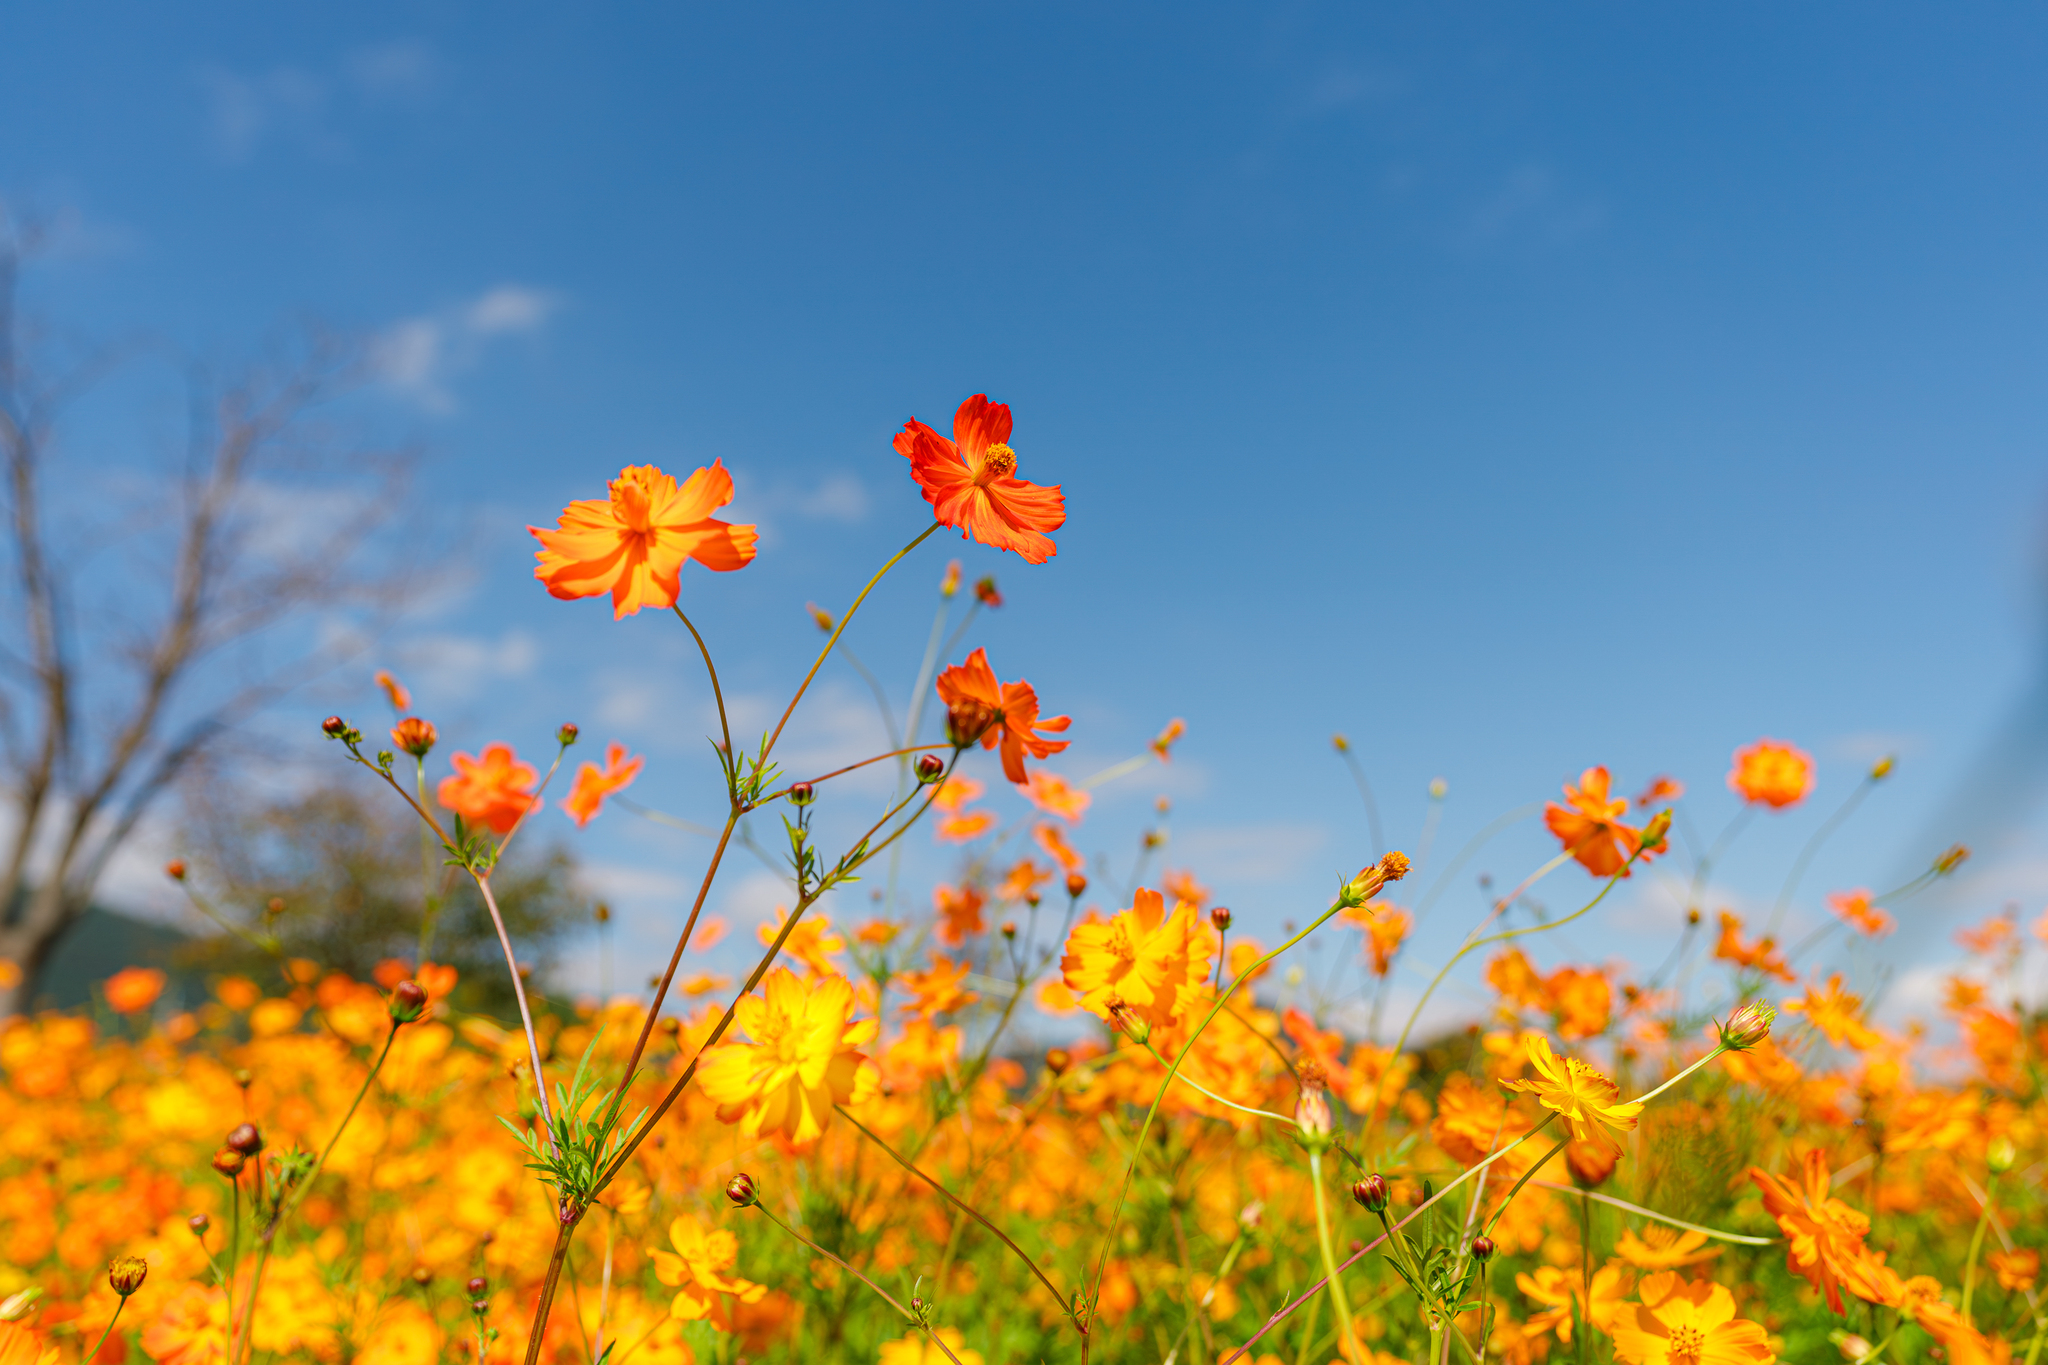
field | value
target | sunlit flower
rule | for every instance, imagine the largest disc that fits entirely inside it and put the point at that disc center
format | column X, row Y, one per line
column 812, row 942
column 594, row 784
column 1473, row 1122
column 878, row 933
column 959, row 909
column 955, row 792
column 1589, row 825
column 698, row 1271
column 1386, row 929
column 2016, row 1270
column 1022, row 882
column 1991, row 936
column 1053, row 840
column 1824, row 1236
column 1770, row 773
column 492, row 790
column 1015, row 706
column 937, row 990
column 191, row 1329
column 1962, row 1343
column 1153, row 961
column 1661, row 791
column 1182, row 886
column 1855, row 909
column 134, row 989
column 1680, row 1323
column 401, row 700
column 971, row 481
column 633, row 546
column 965, row 827
column 1055, row 796
column 1162, row 744
column 1557, row 1290
column 916, row 1350
column 1661, row 1248
column 803, row 1057
column 1835, row 1012
column 1762, row 956
column 1581, row 999
column 1511, row 973
column 1587, row 1100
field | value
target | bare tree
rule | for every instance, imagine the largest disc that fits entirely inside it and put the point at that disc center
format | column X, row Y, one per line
column 151, row 605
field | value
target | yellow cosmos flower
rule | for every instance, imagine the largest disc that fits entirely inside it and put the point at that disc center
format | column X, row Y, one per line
column 1687, row 1324
column 1151, row 960
column 915, row 1350
column 802, row 1059
column 1662, row 1248
column 1589, row 1101
column 696, row 1270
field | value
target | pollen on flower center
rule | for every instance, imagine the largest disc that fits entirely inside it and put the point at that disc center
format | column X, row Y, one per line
column 1687, row 1345
column 997, row 462
column 1120, row 943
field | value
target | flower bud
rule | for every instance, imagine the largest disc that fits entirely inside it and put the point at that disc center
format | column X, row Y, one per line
column 819, row 616
column 126, row 1274
column 1371, row 1193
column 244, row 1077
column 1482, row 1249
column 950, row 584
column 479, row 1307
column 334, row 727
column 229, row 1162
column 671, row 1025
column 1076, row 885
column 1951, row 860
column 476, row 1287
column 2000, row 1155
column 930, row 769
column 175, row 869
column 1656, row 832
column 415, row 736
column 1591, row 1163
column 199, row 1223
column 985, row 590
column 1248, row 1217
column 1129, row 1021
column 1340, row 744
column 408, row 1002
column 274, row 907
column 245, row 1138
column 1882, row 769
column 421, row 1275
column 603, row 913
column 740, row 1189
column 967, row 721
column 802, row 794
column 1008, row 929
column 1220, row 917
column 1312, row 1116
column 1438, row 789
column 1748, row 1026
column 567, row 735
column 1057, row 1060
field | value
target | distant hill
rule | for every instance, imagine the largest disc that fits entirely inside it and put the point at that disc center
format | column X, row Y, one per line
column 101, row 943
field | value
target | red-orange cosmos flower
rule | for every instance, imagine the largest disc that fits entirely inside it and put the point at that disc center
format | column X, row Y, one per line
column 491, row 790
column 1590, row 825
column 1770, row 773
column 971, row 481
column 634, row 545
column 1016, row 712
column 594, row 784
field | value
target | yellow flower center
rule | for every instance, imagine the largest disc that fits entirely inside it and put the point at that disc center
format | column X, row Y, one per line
column 1120, row 943
column 1687, row 1345
column 997, row 462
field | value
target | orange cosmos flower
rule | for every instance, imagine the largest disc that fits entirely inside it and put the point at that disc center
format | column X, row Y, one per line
column 1660, row 1248
column 803, row 1058
column 1055, row 796
column 971, row 481
column 959, row 910
column 954, row 794
column 1015, row 706
column 1661, row 791
column 1556, row 1290
column 401, row 700
column 1590, row 826
column 1588, row 1101
column 939, row 990
column 1182, row 886
column 812, row 942
column 1581, row 999
column 1053, row 840
column 2016, row 1270
column 1762, row 956
column 1962, row 1343
column 492, row 790
column 1680, row 1323
column 1152, row 960
column 633, row 546
column 1386, row 929
column 1023, row 882
column 134, row 989
column 1512, row 974
column 192, row 1329
column 1834, row 1012
column 1988, row 937
column 1163, row 744
column 594, row 784
column 1854, row 907
column 20, row 1345
column 964, row 828
column 1824, row 1236
column 697, row 1268
column 1770, row 773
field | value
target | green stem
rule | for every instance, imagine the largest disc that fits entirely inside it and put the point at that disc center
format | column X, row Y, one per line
column 89, row 1355
column 1806, row 855
column 914, row 1319
column 1338, row 1302
column 1976, row 1246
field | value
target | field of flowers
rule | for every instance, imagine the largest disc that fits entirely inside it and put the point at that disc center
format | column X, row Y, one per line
column 845, row 1156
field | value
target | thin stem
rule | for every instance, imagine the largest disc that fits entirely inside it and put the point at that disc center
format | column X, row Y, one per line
column 724, row 730
column 94, row 1352
column 1806, row 855
column 1639, row 1210
column 1516, row 1188
column 874, row 686
column 540, row 1081
column 242, row 1332
column 1338, row 1302
column 1976, row 1246
column 910, row 1317
column 549, row 1283
column 1242, row 1109
column 851, row 767
column 1372, row 807
column 320, row 1163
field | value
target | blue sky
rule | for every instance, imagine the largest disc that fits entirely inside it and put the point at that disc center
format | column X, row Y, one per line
column 1508, row 389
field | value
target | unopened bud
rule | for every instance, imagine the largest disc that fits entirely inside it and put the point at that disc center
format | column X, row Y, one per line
column 334, row 727
column 1076, row 885
column 245, row 1138
column 175, row 869
column 740, row 1189
column 567, row 735
column 476, row 1287
column 1220, row 917
column 930, row 769
column 1951, row 860
column 244, row 1077
column 479, row 1307
column 274, row 907
column 1312, row 1116
column 1371, row 1193
column 671, row 1025
column 967, row 721
column 126, row 1273
column 1248, row 1217
column 603, row 913
column 1008, row 929
column 802, row 794
column 1057, row 1060
column 415, row 736
column 821, row 617
column 2000, row 1155
column 1748, row 1026
column 408, row 1002
column 1438, row 789
column 1129, row 1021
column 1482, row 1249
column 229, row 1162
column 950, row 584
column 1657, row 831
column 199, row 1223
column 421, row 1275
column 1881, row 769
column 1591, row 1163
column 1340, row 744
column 1853, row 1347
column 986, row 591
column 1692, row 916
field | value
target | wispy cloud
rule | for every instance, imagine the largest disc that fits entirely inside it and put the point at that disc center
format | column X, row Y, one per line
column 420, row 356
column 311, row 108
column 1531, row 204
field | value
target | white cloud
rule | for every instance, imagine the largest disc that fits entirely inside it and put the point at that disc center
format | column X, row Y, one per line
column 403, row 69
column 420, row 356
column 510, row 308
column 1266, row 852
column 840, row 497
column 1532, row 205
column 308, row 108
column 452, row 667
